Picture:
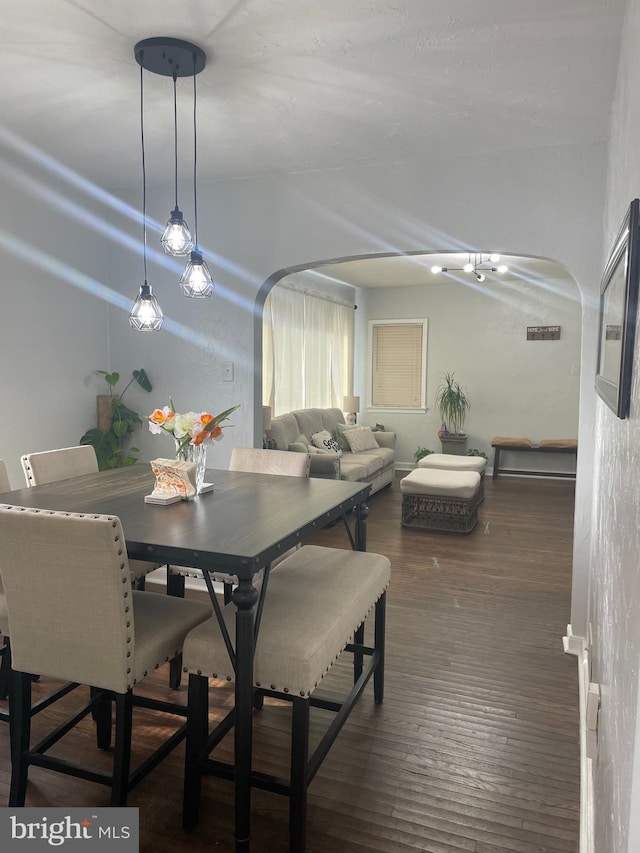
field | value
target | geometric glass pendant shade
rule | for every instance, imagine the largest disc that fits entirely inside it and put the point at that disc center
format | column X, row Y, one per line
column 176, row 238
column 196, row 280
column 146, row 315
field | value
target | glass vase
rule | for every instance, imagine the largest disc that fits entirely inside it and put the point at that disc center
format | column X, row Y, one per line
column 193, row 453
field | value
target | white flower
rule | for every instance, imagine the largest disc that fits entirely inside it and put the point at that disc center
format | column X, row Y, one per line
column 184, row 424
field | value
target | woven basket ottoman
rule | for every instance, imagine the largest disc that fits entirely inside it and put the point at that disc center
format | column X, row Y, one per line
column 449, row 462
column 435, row 499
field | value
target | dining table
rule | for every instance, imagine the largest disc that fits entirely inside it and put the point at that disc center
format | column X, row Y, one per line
column 239, row 528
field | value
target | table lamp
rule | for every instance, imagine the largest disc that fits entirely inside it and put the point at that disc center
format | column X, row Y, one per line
column 351, row 407
column 266, row 425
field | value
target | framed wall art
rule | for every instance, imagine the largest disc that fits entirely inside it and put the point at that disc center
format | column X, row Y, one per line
column 618, row 308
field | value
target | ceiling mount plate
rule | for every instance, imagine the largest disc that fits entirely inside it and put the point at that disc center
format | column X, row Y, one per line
column 170, row 57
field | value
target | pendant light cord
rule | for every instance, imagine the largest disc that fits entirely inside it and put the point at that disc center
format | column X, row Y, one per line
column 144, row 178
column 175, row 139
column 195, row 159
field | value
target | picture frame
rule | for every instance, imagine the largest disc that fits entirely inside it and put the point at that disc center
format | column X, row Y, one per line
column 618, row 309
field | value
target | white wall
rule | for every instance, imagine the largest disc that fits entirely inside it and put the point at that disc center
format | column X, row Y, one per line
column 614, row 599
column 516, row 387
column 53, row 326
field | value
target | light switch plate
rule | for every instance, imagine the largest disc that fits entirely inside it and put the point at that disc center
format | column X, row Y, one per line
column 227, row 371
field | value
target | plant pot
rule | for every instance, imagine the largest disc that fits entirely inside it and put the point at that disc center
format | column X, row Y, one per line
column 454, row 444
column 104, row 412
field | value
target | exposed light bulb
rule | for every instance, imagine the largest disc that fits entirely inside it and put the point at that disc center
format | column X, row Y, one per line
column 196, row 280
column 468, row 267
column 146, row 315
column 503, row 268
column 494, row 258
column 176, row 238
column 436, row 268
column 480, row 276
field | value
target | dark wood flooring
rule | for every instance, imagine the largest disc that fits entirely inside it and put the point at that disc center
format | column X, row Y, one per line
column 476, row 745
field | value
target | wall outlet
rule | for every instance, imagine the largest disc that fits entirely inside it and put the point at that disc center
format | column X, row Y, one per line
column 227, row 371
column 575, row 370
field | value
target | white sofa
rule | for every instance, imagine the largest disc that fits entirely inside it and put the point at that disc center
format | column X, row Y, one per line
column 374, row 466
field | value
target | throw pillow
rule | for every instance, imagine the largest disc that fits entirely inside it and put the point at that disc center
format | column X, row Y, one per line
column 300, row 444
column 361, row 439
column 342, row 441
column 325, row 441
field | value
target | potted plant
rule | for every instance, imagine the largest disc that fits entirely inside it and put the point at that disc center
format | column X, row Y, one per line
column 115, row 421
column 453, row 405
column 421, row 452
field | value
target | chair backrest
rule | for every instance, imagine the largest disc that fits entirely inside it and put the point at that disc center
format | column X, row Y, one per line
column 49, row 466
column 256, row 461
column 68, row 595
column 5, row 485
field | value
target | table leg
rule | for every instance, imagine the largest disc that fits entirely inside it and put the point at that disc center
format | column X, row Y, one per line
column 496, row 462
column 362, row 511
column 244, row 597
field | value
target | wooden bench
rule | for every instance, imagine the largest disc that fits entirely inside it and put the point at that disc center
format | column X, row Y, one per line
column 524, row 445
column 317, row 601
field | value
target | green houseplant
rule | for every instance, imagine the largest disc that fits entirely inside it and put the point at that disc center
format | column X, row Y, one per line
column 115, row 421
column 453, row 405
column 421, row 452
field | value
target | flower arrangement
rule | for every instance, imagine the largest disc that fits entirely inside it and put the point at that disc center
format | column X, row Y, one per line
column 188, row 429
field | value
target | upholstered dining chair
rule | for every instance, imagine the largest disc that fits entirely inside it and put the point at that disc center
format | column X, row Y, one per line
column 5, row 649
column 50, row 466
column 251, row 460
column 79, row 620
column 5, row 662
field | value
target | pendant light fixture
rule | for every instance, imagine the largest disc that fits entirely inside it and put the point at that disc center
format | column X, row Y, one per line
column 170, row 57
column 146, row 315
column 196, row 281
column 176, row 239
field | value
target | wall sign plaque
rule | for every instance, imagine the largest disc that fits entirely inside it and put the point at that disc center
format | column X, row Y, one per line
column 543, row 333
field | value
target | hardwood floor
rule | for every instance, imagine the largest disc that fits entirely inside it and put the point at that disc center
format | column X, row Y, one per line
column 475, row 747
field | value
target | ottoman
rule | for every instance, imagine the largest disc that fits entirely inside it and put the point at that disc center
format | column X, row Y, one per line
column 448, row 462
column 434, row 499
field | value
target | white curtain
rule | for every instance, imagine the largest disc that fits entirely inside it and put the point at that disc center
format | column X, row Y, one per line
column 307, row 351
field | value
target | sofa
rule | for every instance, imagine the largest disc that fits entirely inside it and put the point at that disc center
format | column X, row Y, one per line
column 293, row 432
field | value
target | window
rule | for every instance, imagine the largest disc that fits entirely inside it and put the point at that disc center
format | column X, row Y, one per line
column 307, row 350
column 398, row 364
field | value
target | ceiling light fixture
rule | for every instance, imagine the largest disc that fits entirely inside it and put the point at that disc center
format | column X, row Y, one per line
column 479, row 266
column 146, row 315
column 170, row 57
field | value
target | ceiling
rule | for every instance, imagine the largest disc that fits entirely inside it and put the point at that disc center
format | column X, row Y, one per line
column 298, row 85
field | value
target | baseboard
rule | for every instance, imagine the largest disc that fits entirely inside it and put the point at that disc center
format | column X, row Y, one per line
column 576, row 645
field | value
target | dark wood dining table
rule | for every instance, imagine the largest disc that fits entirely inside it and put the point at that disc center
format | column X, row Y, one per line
column 239, row 528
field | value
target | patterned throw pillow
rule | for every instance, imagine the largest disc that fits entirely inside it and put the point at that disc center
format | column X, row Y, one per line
column 325, row 441
column 361, row 439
